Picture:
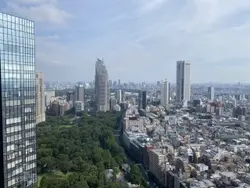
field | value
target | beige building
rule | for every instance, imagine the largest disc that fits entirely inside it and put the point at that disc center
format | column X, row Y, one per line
column 102, row 92
column 40, row 98
column 157, row 157
column 59, row 106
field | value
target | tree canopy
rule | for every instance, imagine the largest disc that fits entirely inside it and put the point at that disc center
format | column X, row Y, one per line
column 76, row 155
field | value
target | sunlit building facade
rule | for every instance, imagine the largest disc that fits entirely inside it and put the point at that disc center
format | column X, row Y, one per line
column 165, row 93
column 18, row 118
column 102, row 93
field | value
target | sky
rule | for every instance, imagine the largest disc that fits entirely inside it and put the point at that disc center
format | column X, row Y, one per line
column 139, row 40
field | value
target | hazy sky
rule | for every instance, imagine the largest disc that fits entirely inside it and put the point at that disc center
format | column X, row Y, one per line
column 140, row 40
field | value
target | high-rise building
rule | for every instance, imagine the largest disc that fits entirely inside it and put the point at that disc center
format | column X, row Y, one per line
column 183, row 86
column 79, row 93
column 211, row 93
column 40, row 98
column 101, row 87
column 142, row 100
column 70, row 97
column 49, row 94
column 169, row 92
column 79, row 98
column 165, row 93
column 18, row 103
column 118, row 95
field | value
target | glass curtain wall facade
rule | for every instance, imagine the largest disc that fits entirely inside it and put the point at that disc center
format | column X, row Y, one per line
column 18, row 127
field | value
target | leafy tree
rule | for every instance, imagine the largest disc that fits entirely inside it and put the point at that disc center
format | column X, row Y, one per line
column 135, row 174
column 81, row 184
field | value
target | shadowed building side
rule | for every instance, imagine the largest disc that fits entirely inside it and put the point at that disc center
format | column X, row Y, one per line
column 40, row 98
column 183, row 87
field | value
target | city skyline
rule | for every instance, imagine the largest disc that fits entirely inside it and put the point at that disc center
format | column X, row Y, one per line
column 149, row 36
column 114, row 134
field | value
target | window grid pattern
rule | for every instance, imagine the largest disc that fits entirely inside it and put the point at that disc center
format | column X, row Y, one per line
column 17, row 60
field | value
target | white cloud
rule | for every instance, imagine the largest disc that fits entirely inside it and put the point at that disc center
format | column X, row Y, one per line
column 198, row 33
column 148, row 6
column 39, row 10
column 49, row 50
column 204, row 14
column 144, row 35
column 34, row 1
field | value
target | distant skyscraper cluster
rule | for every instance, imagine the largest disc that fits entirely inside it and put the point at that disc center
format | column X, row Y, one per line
column 101, row 87
column 183, row 85
column 75, row 99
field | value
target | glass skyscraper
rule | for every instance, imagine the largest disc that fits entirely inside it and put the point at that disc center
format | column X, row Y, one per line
column 18, row 127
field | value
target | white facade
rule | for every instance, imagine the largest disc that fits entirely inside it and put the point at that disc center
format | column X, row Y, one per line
column 79, row 106
column 49, row 95
column 119, row 95
column 132, row 125
column 183, row 86
column 117, row 108
column 165, row 93
column 202, row 167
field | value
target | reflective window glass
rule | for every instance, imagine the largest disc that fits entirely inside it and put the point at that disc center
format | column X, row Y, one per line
column 9, row 18
column 4, row 17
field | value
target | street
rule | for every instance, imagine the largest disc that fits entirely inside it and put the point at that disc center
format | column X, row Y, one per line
column 118, row 134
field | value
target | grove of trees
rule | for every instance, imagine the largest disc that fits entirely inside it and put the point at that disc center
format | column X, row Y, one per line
column 76, row 155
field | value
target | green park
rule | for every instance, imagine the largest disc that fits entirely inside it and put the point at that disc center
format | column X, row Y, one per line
column 76, row 153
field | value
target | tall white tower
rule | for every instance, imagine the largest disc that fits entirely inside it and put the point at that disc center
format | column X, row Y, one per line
column 102, row 93
column 118, row 95
column 183, row 87
column 165, row 93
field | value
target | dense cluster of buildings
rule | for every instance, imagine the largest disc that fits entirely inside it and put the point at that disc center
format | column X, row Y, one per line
column 196, row 141
column 76, row 98
column 188, row 149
